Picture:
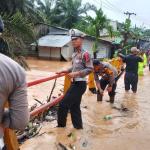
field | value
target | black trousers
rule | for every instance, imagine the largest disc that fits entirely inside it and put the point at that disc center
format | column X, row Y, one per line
column 149, row 67
column 104, row 83
column 71, row 101
column 131, row 79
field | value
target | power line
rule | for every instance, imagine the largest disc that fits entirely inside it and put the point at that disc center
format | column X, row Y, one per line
column 120, row 10
column 129, row 14
column 111, row 7
column 108, row 6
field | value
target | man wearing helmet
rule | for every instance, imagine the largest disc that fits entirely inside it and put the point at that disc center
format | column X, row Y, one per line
column 81, row 66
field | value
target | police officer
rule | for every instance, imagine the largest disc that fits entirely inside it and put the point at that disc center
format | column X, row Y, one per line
column 108, row 75
column 81, row 66
column 13, row 90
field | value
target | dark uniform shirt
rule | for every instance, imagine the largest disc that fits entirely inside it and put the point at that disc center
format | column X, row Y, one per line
column 132, row 63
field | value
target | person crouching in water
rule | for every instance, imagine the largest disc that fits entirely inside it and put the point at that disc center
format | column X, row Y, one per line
column 108, row 74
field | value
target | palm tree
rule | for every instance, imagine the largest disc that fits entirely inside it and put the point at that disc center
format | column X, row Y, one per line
column 70, row 12
column 11, row 6
column 125, row 31
column 97, row 24
column 17, row 31
column 47, row 9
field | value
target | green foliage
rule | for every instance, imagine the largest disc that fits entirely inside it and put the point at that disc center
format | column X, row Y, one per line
column 99, row 22
column 146, row 32
column 17, row 31
column 127, row 25
column 46, row 9
column 70, row 12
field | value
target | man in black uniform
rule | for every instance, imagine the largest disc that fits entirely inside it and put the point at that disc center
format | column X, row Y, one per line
column 131, row 75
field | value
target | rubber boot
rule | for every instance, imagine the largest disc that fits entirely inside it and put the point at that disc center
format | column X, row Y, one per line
column 112, row 98
column 99, row 97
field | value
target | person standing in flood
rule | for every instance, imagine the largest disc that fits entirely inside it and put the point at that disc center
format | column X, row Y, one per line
column 81, row 67
column 131, row 75
column 149, row 60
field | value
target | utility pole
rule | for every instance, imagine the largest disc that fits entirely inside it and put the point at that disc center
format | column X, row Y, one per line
column 129, row 14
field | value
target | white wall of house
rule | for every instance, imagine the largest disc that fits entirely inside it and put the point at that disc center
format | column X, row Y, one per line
column 55, row 53
column 67, row 51
column 49, row 52
column 105, row 32
column 44, row 52
column 103, row 49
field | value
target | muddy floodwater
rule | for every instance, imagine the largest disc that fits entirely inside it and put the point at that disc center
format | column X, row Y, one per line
column 127, row 130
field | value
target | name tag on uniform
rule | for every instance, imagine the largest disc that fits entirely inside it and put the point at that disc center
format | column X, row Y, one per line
column 77, row 61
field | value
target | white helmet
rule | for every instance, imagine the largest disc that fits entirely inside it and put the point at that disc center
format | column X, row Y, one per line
column 75, row 33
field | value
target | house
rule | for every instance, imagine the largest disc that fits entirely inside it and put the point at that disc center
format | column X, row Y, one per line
column 113, row 24
column 103, row 49
column 57, row 45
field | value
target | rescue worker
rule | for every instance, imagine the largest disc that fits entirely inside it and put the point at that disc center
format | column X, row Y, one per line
column 81, row 67
column 13, row 90
column 108, row 74
column 141, row 65
column 131, row 75
column 149, row 60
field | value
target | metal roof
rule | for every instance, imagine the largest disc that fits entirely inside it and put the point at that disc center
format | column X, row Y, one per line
column 54, row 40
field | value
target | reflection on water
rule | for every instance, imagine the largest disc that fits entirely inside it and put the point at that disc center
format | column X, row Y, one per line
column 128, row 131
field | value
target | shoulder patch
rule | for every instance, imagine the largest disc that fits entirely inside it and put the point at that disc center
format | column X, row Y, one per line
column 86, row 56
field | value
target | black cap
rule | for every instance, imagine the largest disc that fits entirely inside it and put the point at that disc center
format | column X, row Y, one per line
column 96, row 62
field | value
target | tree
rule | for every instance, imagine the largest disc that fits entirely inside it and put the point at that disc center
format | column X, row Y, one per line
column 97, row 24
column 12, row 6
column 17, row 31
column 47, row 10
column 137, row 34
column 70, row 12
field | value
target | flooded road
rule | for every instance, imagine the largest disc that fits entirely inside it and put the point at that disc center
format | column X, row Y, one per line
column 127, row 130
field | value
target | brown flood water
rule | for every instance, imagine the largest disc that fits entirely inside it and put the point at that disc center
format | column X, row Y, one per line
column 129, row 131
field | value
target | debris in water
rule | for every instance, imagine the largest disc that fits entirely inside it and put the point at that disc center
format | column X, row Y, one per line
column 85, row 107
column 122, row 108
column 60, row 146
column 72, row 147
column 72, row 135
column 85, row 143
column 109, row 117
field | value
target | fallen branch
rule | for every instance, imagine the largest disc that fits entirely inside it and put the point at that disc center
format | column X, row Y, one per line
column 38, row 101
column 52, row 90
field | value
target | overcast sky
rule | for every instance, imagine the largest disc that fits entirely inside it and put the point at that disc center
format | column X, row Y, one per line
column 114, row 9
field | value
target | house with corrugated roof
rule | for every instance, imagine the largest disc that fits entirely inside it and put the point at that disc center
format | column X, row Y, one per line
column 57, row 45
